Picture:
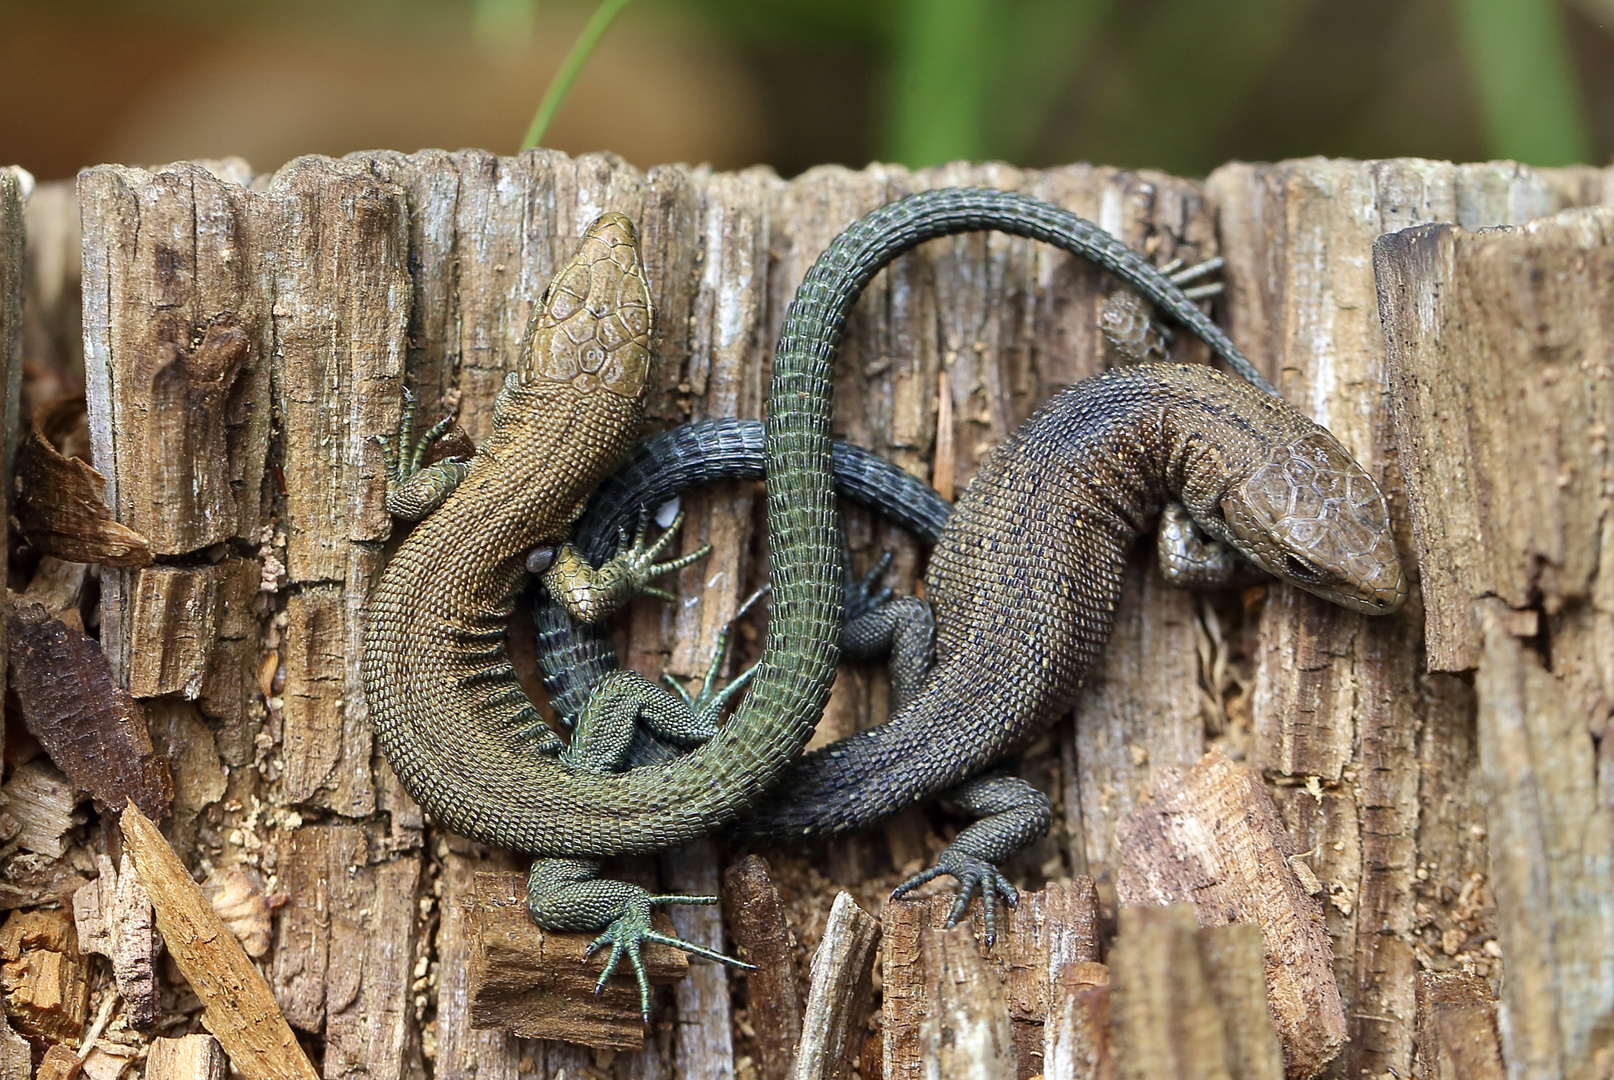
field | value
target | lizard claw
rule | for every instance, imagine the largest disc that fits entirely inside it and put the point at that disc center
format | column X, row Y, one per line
column 973, row 875
column 627, row 934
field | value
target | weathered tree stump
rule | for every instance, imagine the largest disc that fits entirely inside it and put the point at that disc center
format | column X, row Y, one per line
column 246, row 337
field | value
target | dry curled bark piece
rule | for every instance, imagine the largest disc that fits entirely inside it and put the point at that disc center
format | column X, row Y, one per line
column 88, row 724
column 238, row 898
column 60, row 499
column 241, row 1010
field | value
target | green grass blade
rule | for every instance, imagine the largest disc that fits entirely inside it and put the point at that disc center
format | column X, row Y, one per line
column 1519, row 61
column 556, row 92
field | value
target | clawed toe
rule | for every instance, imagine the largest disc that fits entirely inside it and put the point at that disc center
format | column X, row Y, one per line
column 974, row 876
column 629, row 931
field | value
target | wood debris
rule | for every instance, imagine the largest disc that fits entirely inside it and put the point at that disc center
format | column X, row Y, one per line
column 539, row 985
column 114, row 918
column 44, row 803
column 1190, row 1001
column 195, row 1057
column 88, row 724
column 1210, row 836
column 46, row 978
column 59, row 1063
column 838, row 1001
column 16, row 1056
column 772, row 1001
column 241, row 1011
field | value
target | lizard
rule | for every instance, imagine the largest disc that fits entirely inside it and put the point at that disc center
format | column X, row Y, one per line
column 447, row 708
column 1025, row 574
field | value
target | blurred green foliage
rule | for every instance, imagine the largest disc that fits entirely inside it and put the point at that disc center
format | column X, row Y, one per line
column 1174, row 84
column 1165, row 78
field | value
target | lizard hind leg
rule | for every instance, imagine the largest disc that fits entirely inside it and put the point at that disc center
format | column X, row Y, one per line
column 1010, row 814
column 569, row 895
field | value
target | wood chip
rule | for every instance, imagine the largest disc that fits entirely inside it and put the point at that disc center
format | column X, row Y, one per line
column 838, row 1002
column 45, row 804
column 16, row 1056
column 195, row 1057
column 539, row 985
column 757, row 918
column 114, row 918
column 46, row 978
column 88, row 724
column 241, row 1012
column 1210, row 836
column 59, row 1063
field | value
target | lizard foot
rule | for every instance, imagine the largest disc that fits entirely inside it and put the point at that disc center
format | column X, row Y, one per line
column 706, row 706
column 974, row 875
column 591, row 594
column 413, row 490
column 628, row 932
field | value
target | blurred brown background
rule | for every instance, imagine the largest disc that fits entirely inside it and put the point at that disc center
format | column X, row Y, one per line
column 1178, row 84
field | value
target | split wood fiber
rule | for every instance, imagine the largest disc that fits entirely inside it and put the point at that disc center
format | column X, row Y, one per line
column 838, row 1003
column 931, row 977
column 1503, row 365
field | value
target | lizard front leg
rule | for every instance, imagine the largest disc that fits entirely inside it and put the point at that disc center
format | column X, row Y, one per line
column 569, row 895
column 591, row 594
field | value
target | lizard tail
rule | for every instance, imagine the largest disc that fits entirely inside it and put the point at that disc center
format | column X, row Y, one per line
column 658, row 806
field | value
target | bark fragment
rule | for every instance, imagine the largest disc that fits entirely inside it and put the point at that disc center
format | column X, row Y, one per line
column 761, row 939
column 88, row 724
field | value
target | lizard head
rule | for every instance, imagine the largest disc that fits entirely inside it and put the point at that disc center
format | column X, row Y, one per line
column 1309, row 514
column 592, row 327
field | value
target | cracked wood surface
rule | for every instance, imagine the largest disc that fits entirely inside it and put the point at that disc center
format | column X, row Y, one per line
column 225, row 314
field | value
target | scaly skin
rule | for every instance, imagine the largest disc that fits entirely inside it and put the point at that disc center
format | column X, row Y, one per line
column 1026, row 576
